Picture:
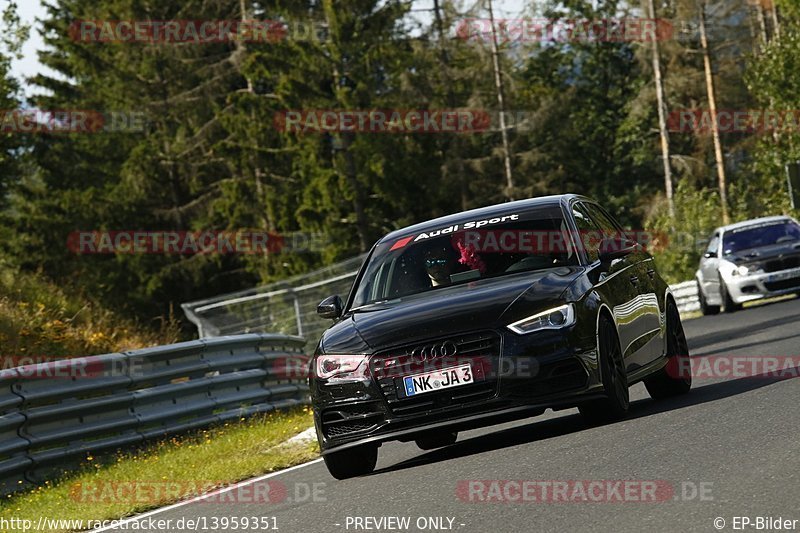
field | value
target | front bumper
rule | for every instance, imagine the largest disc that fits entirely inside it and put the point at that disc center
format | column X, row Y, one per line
column 755, row 286
column 522, row 375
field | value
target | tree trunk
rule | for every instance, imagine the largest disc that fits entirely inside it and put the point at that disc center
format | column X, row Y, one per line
column 762, row 24
column 776, row 23
column 349, row 171
column 498, row 83
column 662, row 118
column 362, row 226
column 455, row 154
column 712, row 105
column 240, row 46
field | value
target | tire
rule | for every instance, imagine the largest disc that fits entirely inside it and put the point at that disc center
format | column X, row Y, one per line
column 615, row 379
column 728, row 304
column 431, row 441
column 675, row 378
column 704, row 307
column 352, row 462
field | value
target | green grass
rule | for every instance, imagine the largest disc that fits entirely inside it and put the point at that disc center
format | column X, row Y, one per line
column 205, row 459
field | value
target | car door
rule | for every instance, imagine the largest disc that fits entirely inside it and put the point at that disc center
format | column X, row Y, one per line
column 642, row 313
column 709, row 269
column 612, row 282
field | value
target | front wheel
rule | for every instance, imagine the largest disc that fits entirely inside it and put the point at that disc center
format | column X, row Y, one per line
column 704, row 307
column 615, row 379
column 729, row 305
column 676, row 377
column 352, row 462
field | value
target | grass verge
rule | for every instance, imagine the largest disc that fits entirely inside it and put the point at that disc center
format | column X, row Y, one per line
column 39, row 320
column 168, row 471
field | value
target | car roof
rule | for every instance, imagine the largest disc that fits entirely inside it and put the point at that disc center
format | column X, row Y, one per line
column 484, row 212
column 752, row 222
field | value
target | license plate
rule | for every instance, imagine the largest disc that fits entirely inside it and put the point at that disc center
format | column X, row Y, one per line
column 782, row 276
column 438, row 380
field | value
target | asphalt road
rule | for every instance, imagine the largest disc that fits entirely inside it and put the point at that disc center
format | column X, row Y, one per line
column 729, row 448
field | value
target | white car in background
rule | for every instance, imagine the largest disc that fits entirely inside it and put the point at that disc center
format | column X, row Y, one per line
column 747, row 261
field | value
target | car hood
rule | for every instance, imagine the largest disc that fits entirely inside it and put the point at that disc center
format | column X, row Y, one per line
column 482, row 304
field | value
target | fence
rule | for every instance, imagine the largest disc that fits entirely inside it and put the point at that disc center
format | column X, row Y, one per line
column 57, row 412
column 288, row 306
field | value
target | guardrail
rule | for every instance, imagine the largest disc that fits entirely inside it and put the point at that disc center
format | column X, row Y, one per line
column 55, row 412
column 686, row 296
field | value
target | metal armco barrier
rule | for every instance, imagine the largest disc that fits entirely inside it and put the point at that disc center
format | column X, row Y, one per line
column 60, row 411
column 686, row 296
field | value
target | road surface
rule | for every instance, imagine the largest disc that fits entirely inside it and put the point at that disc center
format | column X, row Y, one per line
column 728, row 449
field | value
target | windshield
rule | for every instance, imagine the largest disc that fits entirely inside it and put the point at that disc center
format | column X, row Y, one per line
column 465, row 252
column 761, row 235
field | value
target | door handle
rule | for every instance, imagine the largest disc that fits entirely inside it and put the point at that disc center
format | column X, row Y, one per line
column 635, row 280
column 651, row 272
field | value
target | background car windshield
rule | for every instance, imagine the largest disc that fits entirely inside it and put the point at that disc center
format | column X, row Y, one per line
column 758, row 236
column 459, row 256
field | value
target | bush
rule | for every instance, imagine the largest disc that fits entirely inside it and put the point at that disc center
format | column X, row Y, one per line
column 697, row 213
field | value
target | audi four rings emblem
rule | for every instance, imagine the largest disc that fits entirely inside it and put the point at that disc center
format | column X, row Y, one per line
column 431, row 351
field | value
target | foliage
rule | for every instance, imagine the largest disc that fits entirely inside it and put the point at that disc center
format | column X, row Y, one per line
column 39, row 320
column 211, row 158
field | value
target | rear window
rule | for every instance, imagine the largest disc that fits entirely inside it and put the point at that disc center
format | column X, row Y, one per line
column 465, row 252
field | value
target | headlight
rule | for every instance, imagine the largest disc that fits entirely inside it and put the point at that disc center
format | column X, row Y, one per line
column 745, row 270
column 556, row 318
column 341, row 367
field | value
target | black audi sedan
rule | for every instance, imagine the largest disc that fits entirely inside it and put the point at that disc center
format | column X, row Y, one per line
column 492, row 315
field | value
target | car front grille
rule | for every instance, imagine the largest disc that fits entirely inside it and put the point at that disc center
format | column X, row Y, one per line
column 346, row 419
column 481, row 350
column 346, row 429
column 783, row 285
column 783, row 263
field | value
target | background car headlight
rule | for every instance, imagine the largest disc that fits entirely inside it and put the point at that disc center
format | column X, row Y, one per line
column 745, row 270
column 556, row 318
column 341, row 367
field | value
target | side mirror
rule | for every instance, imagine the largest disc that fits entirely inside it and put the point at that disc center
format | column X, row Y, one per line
column 709, row 255
column 615, row 247
column 330, row 307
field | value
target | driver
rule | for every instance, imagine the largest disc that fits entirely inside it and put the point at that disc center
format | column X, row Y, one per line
column 439, row 264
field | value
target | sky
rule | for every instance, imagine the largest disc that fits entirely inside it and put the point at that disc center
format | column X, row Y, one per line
column 29, row 10
column 29, row 64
